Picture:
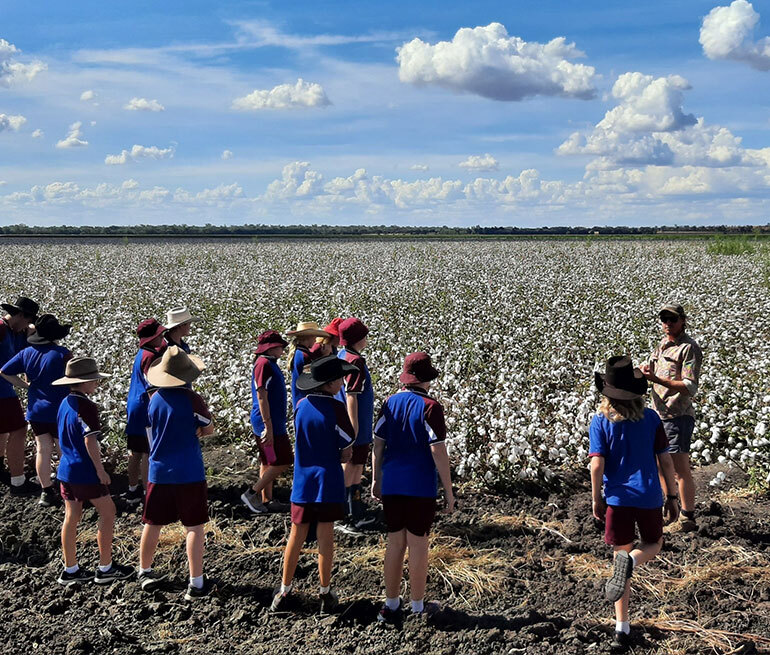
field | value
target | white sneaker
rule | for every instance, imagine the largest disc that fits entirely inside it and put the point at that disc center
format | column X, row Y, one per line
column 251, row 499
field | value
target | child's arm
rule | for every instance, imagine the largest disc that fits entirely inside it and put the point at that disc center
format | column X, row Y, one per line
column 264, row 410
column 15, row 380
column 597, row 474
column 95, row 453
column 352, row 400
column 377, row 452
column 441, row 460
column 671, row 506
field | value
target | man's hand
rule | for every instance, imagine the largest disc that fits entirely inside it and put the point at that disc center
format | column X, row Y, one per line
column 104, row 477
column 647, row 372
column 599, row 509
column 346, row 454
column 670, row 509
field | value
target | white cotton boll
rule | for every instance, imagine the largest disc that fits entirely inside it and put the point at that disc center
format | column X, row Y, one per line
column 488, row 476
column 698, row 445
column 760, row 430
column 721, row 459
column 720, row 475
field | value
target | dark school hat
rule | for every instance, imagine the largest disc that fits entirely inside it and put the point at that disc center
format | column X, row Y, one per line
column 324, row 370
column 269, row 339
column 24, row 305
column 48, row 329
column 418, row 368
column 620, row 379
column 672, row 308
column 352, row 330
column 148, row 330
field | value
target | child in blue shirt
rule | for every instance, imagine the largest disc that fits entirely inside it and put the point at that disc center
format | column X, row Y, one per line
column 82, row 476
column 302, row 339
column 629, row 457
column 323, row 439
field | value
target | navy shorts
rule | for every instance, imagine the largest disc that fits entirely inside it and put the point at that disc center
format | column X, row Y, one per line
column 11, row 415
column 679, row 432
column 40, row 428
column 361, row 454
column 139, row 443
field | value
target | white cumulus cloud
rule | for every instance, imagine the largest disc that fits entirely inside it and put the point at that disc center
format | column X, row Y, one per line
column 87, row 95
column 480, row 163
column 12, row 70
column 486, row 61
column 138, row 152
column 419, row 167
column 728, row 33
column 38, row 133
column 297, row 181
column 11, row 122
column 227, row 154
column 74, row 138
column 142, row 104
column 284, row 96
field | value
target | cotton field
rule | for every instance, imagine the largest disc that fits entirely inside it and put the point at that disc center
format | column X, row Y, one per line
column 516, row 327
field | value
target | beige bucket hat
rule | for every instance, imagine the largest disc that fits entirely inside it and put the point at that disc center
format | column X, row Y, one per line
column 175, row 369
column 307, row 329
column 179, row 316
column 80, row 369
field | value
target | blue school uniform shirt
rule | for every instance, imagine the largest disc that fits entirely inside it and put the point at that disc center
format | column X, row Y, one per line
column 11, row 343
column 629, row 449
column 301, row 359
column 360, row 384
column 175, row 450
column 42, row 364
column 138, row 399
column 322, row 429
column 409, row 423
column 268, row 375
column 78, row 418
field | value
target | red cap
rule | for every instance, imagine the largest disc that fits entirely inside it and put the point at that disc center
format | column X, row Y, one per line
column 334, row 327
column 418, row 368
column 148, row 330
column 269, row 339
column 352, row 330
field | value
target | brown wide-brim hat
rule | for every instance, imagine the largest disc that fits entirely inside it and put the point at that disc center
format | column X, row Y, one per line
column 269, row 339
column 175, row 369
column 307, row 329
column 78, row 370
column 621, row 380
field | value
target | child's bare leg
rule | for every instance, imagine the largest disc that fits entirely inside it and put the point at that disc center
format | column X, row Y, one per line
column 14, row 452
column 325, row 536
column 148, row 544
column 3, row 442
column 418, row 565
column 267, row 475
column 394, row 563
column 641, row 555
column 353, row 473
column 43, row 459
column 293, row 549
column 73, row 510
column 196, row 540
column 133, row 468
column 106, row 509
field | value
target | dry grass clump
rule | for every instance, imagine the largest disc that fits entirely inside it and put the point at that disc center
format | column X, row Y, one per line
column 525, row 522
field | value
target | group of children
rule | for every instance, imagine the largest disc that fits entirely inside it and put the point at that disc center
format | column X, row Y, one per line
column 334, row 427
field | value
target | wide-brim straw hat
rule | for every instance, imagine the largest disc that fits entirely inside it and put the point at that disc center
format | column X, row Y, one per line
column 80, row 369
column 307, row 329
column 179, row 316
column 175, row 369
column 323, row 370
column 620, row 379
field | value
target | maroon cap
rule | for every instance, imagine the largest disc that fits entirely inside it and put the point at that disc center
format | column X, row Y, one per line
column 418, row 368
column 352, row 330
column 269, row 339
column 148, row 330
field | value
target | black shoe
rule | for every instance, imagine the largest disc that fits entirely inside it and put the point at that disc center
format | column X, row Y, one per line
column 616, row 585
column 687, row 523
column 620, row 642
column 329, row 602
column 26, row 489
column 388, row 616
column 134, row 497
column 280, row 601
column 81, row 576
column 48, row 498
column 277, row 507
column 194, row 593
column 150, row 580
column 115, row 572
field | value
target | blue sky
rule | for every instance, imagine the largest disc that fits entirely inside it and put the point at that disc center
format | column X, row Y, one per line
column 500, row 113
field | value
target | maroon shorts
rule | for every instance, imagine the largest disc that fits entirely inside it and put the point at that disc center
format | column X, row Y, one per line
column 361, row 454
column 414, row 513
column 11, row 415
column 81, row 492
column 138, row 443
column 317, row 512
column 620, row 522
column 40, row 428
column 281, row 453
column 169, row 503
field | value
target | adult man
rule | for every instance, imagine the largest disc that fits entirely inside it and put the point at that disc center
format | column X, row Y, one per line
column 674, row 370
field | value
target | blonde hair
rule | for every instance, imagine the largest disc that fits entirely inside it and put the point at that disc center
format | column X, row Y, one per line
column 290, row 356
column 616, row 410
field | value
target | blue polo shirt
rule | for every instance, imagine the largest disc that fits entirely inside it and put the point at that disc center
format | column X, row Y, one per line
column 42, row 364
column 78, row 418
column 322, row 429
column 268, row 375
column 360, row 384
column 138, row 399
column 409, row 423
column 10, row 343
column 175, row 450
column 629, row 449
column 301, row 359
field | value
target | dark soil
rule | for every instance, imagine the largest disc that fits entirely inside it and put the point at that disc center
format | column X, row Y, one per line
column 520, row 573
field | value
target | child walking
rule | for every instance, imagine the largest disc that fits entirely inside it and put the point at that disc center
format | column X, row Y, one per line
column 177, row 489
column 82, row 476
column 324, row 438
column 409, row 457
column 629, row 450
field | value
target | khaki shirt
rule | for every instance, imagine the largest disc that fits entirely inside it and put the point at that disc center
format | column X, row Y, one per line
column 679, row 359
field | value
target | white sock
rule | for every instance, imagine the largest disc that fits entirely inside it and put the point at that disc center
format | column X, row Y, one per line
column 17, row 480
column 285, row 588
column 106, row 568
column 393, row 603
column 133, row 487
column 633, row 560
column 417, row 606
column 141, row 570
column 326, row 589
column 623, row 626
column 72, row 569
column 197, row 581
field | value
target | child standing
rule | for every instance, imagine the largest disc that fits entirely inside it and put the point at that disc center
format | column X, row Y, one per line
column 176, row 490
column 151, row 346
column 628, row 450
column 268, row 421
column 409, row 456
column 324, row 437
column 43, row 361
column 82, row 476
column 302, row 339
column 178, row 322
